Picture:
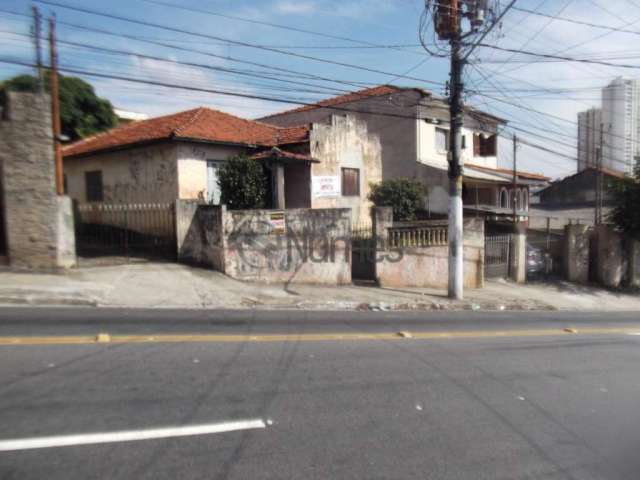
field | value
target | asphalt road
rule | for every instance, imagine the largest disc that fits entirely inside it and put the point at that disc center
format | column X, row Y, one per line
column 520, row 407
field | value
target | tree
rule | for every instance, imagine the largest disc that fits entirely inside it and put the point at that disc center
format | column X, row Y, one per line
column 626, row 212
column 403, row 195
column 82, row 112
column 243, row 183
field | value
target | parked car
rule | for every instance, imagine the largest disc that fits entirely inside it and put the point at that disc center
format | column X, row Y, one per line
column 535, row 261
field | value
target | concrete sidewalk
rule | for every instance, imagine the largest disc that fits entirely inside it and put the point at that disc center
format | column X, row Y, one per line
column 167, row 285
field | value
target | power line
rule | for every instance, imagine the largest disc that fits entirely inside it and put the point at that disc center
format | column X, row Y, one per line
column 363, row 43
column 234, row 42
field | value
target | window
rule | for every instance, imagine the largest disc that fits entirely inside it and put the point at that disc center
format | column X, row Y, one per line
column 485, row 147
column 504, row 199
column 442, row 136
column 350, row 182
column 213, row 189
column 93, row 182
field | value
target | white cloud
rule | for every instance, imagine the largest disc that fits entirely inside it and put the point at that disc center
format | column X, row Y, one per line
column 293, row 7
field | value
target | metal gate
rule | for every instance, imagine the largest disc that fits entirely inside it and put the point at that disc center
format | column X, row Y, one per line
column 497, row 250
column 363, row 252
column 126, row 232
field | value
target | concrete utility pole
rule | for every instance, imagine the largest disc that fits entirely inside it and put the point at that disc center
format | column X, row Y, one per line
column 55, row 106
column 37, row 24
column 456, row 112
column 450, row 17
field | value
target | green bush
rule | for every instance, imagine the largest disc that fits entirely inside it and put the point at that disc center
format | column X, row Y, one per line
column 403, row 195
column 626, row 212
column 243, row 183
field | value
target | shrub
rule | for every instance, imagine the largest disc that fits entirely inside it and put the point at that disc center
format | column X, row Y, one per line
column 403, row 195
column 243, row 183
column 626, row 212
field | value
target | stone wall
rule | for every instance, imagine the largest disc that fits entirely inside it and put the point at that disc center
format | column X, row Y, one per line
column 427, row 266
column 289, row 246
column 37, row 221
column 199, row 235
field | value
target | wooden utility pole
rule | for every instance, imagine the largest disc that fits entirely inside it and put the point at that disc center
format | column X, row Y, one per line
column 55, row 106
column 598, row 192
column 37, row 33
column 515, row 179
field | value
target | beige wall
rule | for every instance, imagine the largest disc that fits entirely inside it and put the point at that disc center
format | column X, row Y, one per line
column 146, row 174
column 346, row 143
column 192, row 166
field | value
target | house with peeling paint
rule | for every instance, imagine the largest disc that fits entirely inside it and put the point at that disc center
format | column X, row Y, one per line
column 413, row 127
column 327, row 164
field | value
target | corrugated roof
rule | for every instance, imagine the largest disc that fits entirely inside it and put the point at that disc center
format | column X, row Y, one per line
column 201, row 124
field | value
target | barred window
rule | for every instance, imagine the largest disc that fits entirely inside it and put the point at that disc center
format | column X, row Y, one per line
column 351, row 182
column 442, row 137
column 93, row 183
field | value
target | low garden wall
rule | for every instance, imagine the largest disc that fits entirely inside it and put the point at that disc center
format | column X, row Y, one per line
column 417, row 254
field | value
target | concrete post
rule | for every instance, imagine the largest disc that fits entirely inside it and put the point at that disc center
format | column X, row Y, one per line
column 634, row 263
column 278, row 185
column 518, row 258
column 610, row 262
column 576, row 253
column 382, row 218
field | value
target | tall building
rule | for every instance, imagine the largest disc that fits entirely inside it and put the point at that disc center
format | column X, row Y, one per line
column 621, row 123
column 588, row 138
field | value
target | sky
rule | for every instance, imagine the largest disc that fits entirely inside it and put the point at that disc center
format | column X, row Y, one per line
column 540, row 98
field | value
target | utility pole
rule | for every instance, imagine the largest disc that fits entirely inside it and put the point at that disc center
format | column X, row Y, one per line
column 450, row 18
column 456, row 113
column 37, row 24
column 55, row 106
column 515, row 179
column 598, row 192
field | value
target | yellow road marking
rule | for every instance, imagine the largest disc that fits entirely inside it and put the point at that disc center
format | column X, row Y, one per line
column 309, row 337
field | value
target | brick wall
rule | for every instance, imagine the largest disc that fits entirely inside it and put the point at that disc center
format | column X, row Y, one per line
column 31, row 206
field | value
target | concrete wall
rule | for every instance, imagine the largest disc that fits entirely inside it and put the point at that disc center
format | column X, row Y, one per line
column 633, row 254
column 427, row 266
column 576, row 253
column 346, row 143
column 611, row 263
column 36, row 219
column 312, row 247
column 146, row 174
column 199, row 237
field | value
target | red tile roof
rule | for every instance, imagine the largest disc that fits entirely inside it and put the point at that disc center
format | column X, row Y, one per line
column 520, row 173
column 201, row 124
column 349, row 97
column 277, row 153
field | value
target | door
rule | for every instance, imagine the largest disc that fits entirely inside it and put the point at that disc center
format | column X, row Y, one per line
column 496, row 256
column 213, row 189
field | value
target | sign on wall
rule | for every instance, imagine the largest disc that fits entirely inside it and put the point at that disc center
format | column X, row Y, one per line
column 325, row 186
column 276, row 219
